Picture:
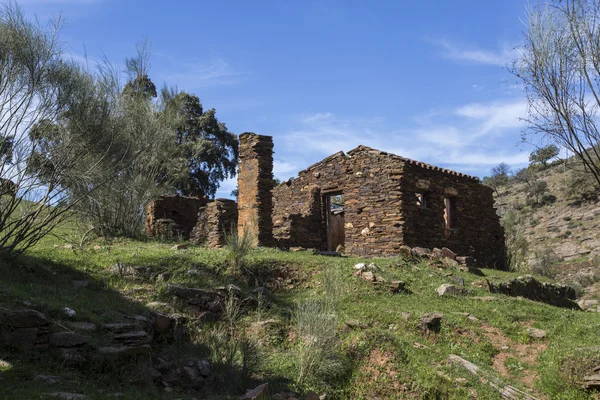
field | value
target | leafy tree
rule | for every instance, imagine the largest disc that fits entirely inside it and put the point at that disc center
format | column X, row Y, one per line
column 543, row 155
column 498, row 177
column 205, row 153
column 525, row 175
column 558, row 66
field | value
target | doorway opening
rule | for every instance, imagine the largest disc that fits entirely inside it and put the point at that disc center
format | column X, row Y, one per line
column 334, row 208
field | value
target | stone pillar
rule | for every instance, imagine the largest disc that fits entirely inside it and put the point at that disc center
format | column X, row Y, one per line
column 255, row 185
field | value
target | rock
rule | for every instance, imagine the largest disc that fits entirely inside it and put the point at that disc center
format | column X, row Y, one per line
column 467, row 261
column 48, row 379
column 97, row 247
column 24, row 319
column 68, row 246
column 421, row 252
column 397, row 286
column 66, row 395
column 448, row 290
column 210, row 300
column 181, row 246
column 437, row 253
column 133, row 338
column 449, row 263
column 204, row 368
column 67, row 339
column 69, row 312
column 125, row 351
column 256, row 393
column 373, row 267
column 536, row 333
column 380, row 279
column 82, row 283
column 405, row 251
column 152, row 373
column 161, row 323
column 81, row 326
column 459, row 280
column 355, row 324
column 368, row 276
column 360, row 267
column 72, row 355
column 591, row 382
column 587, row 304
column 530, row 288
column 297, row 249
column 23, row 339
column 164, row 277
column 447, row 253
column 121, row 327
column 431, row 322
column 340, row 248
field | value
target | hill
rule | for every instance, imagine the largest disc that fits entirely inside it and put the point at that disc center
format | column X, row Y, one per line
column 149, row 320
column 561, row 232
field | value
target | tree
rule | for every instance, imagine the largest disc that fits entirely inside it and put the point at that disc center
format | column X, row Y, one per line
column 498, row 177
column 559, row 66
column 525, row 175
column 51, row 113
column 205, row 153
column 537, row 190
column 543, row 155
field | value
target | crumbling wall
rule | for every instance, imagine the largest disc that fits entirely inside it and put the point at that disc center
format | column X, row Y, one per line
column 183, row 211
column 474, row 228
column 255, row 184
column 215, row 221
column 369, row 181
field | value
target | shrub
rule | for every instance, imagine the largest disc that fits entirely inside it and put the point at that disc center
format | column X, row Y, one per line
column 544, row 262
column 238, row 246
column 581, row 186
column 516, row 242
column 317, row 353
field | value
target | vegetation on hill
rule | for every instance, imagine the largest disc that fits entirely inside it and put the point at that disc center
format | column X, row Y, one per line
column 317, row 326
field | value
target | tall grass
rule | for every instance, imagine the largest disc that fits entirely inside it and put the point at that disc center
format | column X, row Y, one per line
column 238, row 246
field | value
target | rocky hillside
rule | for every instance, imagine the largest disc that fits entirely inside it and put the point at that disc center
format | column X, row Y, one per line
column 561, row 227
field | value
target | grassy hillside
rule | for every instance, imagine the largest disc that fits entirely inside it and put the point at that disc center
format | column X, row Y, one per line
column 373, row 344
column 562, row 232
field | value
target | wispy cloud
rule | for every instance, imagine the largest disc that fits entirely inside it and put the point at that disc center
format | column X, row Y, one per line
column 469, row 138
column 460, row 52
column 214, row 71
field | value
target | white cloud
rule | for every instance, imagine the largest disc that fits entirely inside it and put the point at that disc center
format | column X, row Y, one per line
column 469, row 138
column 454, row 51
column 214, row 71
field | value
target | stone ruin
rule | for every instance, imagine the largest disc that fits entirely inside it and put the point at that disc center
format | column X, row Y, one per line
column 364, row 202
column 171, row 217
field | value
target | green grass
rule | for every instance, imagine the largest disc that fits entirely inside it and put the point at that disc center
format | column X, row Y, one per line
column 390, row 358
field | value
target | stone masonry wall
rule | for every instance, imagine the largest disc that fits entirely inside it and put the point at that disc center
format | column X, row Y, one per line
column 255, row 184
column 381, row 210
column 215, row 220
column 182, row 210
column 475, row 226
column 370, row 182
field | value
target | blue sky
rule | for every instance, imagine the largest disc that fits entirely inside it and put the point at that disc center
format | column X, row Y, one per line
column 425, row 80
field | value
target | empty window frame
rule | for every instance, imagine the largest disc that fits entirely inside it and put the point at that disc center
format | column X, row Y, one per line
column 449, row 214
column 421, row 199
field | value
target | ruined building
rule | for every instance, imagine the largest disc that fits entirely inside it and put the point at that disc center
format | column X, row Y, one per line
column 365, row 202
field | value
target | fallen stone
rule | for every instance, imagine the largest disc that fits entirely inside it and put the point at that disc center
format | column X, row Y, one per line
column 591, row 382
column 256, row 393
column 164, row 277
column 67, row 339
column 81, row 326
column 397, row 286
column 133, row 338
column 587, row 304
column 66, row 395
column 161, row 323
column 536, row 333
column 421, row 252
column 447, row 253
column 431, row 322
column 23, row 339
column 126, row 351
column 437, row 253
column 69, row 312
column 360, row 266
column 355, row 324
column 204, row 368
column 152, row 373
column 181, row 246
column 467, row 261
column 448, row 290
column 121, row 327
column 373, row 267
column 380, row 279
column 530, row 288
column 24, row 319
column 368, row 276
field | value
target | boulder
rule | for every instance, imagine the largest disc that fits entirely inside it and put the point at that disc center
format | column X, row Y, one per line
column 405, row 251
column 67, row 339
column 256, row 393
column 360, row 267
column 447, row 253
column 24, row 319
column 530, row 288
column 588, row 304
column 448, row 290
column 368, row 276
column 591, row 382
column 432, row 322
column 397, row 286
column 421, row 252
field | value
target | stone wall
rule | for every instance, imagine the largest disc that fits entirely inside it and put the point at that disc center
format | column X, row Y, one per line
column 475, row 228
column 381, row 209
column 215, row 220
column 255, row 184
column 183, row 211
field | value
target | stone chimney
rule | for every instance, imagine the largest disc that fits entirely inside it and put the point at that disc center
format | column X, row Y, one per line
column 255, row 184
